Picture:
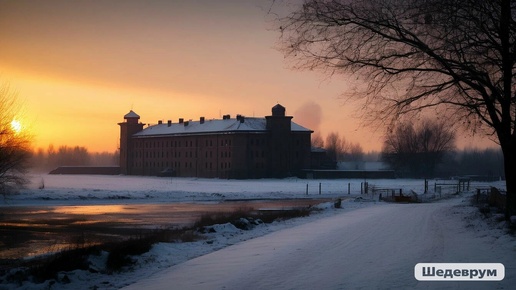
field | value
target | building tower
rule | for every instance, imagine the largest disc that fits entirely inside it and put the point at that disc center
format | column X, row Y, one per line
column 279, row 127
column 128, row 128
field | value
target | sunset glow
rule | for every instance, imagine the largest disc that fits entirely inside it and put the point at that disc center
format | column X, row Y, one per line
column 80, row 66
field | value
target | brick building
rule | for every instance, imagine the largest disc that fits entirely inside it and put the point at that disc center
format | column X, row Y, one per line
column 240, row 147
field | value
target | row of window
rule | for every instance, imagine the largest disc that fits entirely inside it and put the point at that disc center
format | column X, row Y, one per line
column 177, row 165
column 190, row 143
column 178, row 143
column 177, row 154
column 208, row 154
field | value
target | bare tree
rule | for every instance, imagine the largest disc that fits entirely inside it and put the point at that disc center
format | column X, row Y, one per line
column 334, row 146
column 456, row 56
column 416, row 151
column 355, row 152
column 14, row 143
column 317, row 140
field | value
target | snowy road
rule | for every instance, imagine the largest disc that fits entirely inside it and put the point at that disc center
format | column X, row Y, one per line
column 375, row 247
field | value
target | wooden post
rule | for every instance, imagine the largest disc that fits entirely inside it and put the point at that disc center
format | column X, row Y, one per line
column 307, row 189
column 349, row 188
column 319, row 188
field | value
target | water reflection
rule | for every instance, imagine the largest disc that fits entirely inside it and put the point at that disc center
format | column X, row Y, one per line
column 90, row 209
column 33, row 230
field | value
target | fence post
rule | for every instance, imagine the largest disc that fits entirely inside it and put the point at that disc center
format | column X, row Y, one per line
column 319, row 188
column 349, row 187
column 307, row 189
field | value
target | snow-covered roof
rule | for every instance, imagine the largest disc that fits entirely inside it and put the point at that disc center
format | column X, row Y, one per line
column 212, row 126
column 131, row 114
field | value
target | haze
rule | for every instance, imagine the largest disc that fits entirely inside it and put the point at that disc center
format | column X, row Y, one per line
column 79, row 66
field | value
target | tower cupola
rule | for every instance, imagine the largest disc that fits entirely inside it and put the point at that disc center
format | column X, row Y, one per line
column 278, row 111
column 132, row 117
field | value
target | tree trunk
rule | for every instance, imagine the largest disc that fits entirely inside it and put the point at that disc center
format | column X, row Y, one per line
column 509, row 158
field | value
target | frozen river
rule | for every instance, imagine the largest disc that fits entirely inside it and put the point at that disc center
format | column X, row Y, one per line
column 33, row 230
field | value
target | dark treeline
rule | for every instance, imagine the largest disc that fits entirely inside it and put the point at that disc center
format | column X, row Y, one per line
column 479, row 164
column 51, row 158
column 484, row 164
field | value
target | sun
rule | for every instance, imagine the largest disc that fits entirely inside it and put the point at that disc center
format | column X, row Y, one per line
column 16, row 126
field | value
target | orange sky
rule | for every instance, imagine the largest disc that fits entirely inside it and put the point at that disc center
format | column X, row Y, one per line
column 79, row 66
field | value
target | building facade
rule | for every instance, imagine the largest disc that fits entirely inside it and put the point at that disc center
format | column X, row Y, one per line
column 240, row 147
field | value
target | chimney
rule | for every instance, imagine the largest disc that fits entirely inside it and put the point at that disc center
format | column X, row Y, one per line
column 181, row 120
column 202, row 120
column 242, row 119
column 186, row 123
column 238, row 117
column 160, row 122
column 169, row 123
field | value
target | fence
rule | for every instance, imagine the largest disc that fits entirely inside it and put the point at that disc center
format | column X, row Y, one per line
column 497, row 198
column 443, row 187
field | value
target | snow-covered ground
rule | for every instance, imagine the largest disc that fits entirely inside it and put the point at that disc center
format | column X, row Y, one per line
column 94, row 189
column 368, row 245
column 375, row 247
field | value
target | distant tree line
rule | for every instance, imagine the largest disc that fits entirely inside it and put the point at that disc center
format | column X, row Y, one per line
column 51, row 158
column 482, row 164
column 422, row 149
column 338, row 148
column 426, row 149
